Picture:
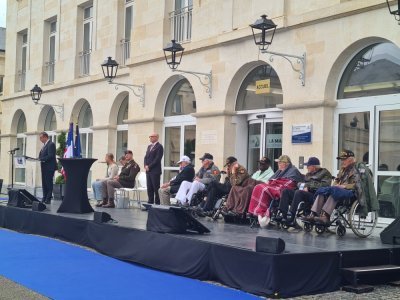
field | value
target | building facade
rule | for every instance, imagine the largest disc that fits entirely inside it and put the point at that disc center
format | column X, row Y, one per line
column 350, row 97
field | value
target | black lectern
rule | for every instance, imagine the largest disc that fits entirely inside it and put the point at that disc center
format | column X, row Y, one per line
column 76, row 199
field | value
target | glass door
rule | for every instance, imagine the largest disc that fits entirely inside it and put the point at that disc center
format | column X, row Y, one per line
column 387, row 156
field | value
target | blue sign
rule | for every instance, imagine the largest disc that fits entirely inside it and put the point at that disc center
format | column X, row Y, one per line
column 301, row 134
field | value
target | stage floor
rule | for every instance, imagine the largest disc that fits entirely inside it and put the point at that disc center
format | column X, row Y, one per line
column 244, row 237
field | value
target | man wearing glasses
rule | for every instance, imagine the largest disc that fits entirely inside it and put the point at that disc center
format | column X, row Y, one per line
column 152, row 165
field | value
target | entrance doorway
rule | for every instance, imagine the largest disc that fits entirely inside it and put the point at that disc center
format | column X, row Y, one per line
column 264, row 138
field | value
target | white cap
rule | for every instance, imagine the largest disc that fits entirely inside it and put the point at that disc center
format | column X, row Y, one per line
column 184, row 158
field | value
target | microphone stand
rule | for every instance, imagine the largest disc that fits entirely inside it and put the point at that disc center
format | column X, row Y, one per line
column 12, row 153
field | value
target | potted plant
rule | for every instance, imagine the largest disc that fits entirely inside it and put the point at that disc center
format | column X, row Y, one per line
column 59, row 186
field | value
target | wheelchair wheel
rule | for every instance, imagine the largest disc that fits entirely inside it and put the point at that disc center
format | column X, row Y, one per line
column 362, row 226
column 320, row 229
column 308, row 227
column 284, row 225
column 340, row 230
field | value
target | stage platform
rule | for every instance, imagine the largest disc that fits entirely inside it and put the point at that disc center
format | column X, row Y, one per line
column 310, row 264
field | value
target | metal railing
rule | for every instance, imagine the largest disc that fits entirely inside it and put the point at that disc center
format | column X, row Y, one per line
column 48, row 74
column 84, row 63
column 125, row 51
column 21, row 78
column 181, row 24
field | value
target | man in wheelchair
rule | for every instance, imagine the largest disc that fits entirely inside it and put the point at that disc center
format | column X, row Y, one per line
column 344, row 187
column 315, row 178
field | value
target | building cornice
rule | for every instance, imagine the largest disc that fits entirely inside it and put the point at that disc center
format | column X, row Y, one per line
column 308, row 104
column 144, row 120
column 217, row 113
column 104, row 127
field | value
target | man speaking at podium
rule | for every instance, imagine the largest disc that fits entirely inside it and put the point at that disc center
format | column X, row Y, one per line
column 48, row 165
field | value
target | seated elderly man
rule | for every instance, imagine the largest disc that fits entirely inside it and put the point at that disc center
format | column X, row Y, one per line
column 112, row 171
column 286, row 177
column 236, row 175
column 125, row 179
column 240, row 194
column 208, row 172
column 186, row 173
column 344, row 187
column 315, row 178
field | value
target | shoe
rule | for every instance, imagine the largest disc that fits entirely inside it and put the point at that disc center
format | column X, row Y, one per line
column 324, row 219
column 110, row 204
column 278, row 218
column 288, row 220
column 47, row 201
column 231, row 213
column 101, row 204
column 309, row 218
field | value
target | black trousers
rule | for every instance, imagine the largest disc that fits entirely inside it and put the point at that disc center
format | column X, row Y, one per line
column 153, row 184
column 293, row 198
column 47, row 184
column 215, row 191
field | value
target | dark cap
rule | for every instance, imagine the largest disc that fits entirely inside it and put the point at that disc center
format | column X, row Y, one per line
column 230, row 160
column 128, row 152
column 312, row 161
column 265, row 160
column 345, row 154
column 207, row 156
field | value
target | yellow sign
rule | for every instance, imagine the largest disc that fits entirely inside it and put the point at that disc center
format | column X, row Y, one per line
column 263, row 86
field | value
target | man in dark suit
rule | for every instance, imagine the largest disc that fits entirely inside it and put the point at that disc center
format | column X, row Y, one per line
column 152, row 165
column 48, row 165
column 186, row 173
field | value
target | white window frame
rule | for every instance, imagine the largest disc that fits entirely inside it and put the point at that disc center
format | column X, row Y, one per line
column 22, row 136
column 89, row 21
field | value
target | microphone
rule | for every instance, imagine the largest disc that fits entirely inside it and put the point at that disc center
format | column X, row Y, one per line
column 15, row 149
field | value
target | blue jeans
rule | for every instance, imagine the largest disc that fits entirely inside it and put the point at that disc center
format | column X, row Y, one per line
column 97, row 190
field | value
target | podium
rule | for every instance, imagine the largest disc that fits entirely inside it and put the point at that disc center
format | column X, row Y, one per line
column 76, row 200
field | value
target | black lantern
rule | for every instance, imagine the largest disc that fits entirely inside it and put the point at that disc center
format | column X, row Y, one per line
column 110, row 68
column 176, row 54
column 36, row 93
column 264, row 25
column 395, row 13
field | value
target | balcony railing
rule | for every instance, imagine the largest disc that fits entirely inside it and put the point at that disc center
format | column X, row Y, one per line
column 181, row 24
column 84, row 63
column 20, row 80
column 125, row 51
column 48, row 72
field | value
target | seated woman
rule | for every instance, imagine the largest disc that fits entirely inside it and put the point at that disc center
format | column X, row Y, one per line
column 286, row 177
column 239, row 196
column 112, row 171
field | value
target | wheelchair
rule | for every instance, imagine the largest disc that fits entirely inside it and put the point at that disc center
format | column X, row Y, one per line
column 302, row 209
column 346, row 215
column 273, row 211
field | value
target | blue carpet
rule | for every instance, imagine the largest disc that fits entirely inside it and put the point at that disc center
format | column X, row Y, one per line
column 63, row 271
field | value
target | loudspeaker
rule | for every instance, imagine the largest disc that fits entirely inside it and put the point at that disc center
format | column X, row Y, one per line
column 38, row 206
column 170, row 219
column 101, row 217
column 20, row 198
column 391, row 234
column 269, row 245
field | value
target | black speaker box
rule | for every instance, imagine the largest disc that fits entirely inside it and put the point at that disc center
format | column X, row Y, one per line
column 20, row 198
column 38, row 206
column 269, row 245
column 170, row 219
column 101, row 217
column 391, row 234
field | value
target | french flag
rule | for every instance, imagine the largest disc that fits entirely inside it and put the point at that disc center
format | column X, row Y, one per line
column 69, row 150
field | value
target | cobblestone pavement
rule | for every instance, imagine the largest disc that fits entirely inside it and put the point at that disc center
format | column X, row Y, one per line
column 10, row 290
column 380, row 292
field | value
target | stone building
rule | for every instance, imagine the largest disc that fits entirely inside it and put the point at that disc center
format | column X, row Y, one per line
column 349, row 98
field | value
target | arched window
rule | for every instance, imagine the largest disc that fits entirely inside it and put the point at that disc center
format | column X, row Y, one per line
column 85, row 121
column 180, row 126
column 250, row 98
column 50, row 125
column 21, row 144
column 372, row 71
column 122, row 129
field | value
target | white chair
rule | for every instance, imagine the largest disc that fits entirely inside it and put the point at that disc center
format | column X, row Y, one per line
column 141, row 186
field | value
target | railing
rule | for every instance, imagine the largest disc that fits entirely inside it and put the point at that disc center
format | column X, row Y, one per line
column 181, row 24
column 48, row 73
column 125, row 51
column 84, row 63
column 21, row 78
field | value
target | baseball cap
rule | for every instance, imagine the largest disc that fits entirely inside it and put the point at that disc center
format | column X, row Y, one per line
column 184, row 159
column 207, row 156
column 284, row 158
column 312, row 161
column 230, row 160
column 345, row 154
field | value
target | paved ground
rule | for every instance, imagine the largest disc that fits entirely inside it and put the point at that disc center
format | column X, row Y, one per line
column 10, row 290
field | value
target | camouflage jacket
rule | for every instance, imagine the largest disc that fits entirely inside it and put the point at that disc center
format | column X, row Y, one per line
column 321, row 177
column 212, row 173
column 347, row 177
column 239, row 176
